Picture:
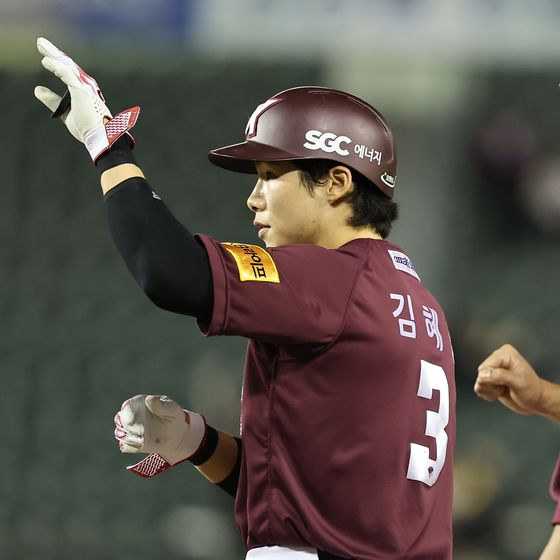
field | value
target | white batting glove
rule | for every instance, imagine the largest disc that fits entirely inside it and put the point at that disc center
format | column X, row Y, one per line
column 87, row 117
column 158, row 425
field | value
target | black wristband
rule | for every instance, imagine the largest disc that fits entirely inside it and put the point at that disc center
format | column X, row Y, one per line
column 206, row 448
column 119, row 153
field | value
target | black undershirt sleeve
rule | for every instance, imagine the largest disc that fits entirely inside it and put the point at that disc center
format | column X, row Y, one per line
column 165, row 259
column 230, row 483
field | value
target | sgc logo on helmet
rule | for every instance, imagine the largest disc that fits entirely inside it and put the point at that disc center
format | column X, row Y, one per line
column 326, row 141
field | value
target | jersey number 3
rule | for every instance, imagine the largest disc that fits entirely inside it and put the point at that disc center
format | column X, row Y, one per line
column 420, row 466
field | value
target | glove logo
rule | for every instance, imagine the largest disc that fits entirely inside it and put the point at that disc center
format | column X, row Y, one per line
column 327, row 142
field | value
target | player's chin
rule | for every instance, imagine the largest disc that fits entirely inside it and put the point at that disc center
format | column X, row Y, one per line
column 267, row 237
column 272, row 241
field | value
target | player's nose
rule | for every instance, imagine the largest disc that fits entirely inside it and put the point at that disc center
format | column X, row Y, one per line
column 256, row 202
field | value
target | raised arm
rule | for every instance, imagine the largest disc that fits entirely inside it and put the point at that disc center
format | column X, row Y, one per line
column 166, row 260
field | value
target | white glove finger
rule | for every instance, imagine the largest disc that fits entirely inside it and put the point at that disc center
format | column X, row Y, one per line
column 133, row 434
column 132, row 409
column 46, row 48
column 154, row 404
column 125, row 403
column 125, row 448
column 118, row 421
column 63, row 71
column 120, row 433
column 47, row 97
column 163, row 407
column 135, row 429
column 74, row 75
column 128, row 438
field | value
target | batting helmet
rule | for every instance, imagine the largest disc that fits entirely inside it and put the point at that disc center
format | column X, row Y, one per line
column 316, row 123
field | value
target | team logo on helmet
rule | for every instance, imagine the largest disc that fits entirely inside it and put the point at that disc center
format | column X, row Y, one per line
column 327, row 142
column 251, row 128
column 388, row 179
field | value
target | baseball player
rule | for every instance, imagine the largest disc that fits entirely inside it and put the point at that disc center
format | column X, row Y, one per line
column 508, row 377
column 348, row 407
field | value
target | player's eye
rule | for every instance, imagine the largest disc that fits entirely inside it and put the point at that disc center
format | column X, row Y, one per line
column 270, row 176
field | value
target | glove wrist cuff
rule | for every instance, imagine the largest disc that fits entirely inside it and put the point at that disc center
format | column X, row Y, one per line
column 194, row 439
column 100, row 139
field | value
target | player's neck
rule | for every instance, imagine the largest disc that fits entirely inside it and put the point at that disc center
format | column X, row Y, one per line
column 339, row 237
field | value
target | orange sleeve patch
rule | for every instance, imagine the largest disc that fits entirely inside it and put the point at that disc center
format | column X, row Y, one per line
column 253, row 262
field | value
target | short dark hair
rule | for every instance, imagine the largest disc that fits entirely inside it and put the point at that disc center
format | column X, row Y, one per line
column 371, row 207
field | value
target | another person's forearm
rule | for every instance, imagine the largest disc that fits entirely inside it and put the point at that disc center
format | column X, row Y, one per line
column 549, row 404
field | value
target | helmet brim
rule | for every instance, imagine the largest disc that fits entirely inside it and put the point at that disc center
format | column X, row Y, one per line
column 241, row 157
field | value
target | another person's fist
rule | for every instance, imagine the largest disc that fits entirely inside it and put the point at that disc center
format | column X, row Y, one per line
column 508, row 377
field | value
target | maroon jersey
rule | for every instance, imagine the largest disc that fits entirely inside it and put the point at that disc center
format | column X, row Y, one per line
column 555, row 492
column 348, row 408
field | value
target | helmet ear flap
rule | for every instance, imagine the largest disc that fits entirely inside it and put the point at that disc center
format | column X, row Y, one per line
column 316, row 123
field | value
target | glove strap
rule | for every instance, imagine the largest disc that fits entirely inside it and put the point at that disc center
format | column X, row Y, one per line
column 103, row 137
column 63, row 106
column 150, row 466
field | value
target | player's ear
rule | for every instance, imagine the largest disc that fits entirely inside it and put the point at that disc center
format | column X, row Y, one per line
column 339, row 183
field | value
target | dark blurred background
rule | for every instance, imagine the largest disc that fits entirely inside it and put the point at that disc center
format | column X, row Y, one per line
column 471, row 91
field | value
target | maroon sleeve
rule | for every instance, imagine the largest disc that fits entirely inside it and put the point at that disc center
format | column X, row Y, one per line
column 555, row 492
column 303, row 302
